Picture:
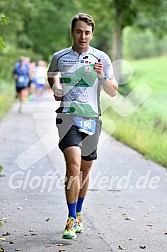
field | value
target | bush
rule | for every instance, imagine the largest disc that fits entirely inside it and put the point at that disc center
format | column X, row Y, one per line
column 142, row 44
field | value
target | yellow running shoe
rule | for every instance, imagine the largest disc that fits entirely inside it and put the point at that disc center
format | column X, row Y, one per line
column 79, row 228
column 70, row 229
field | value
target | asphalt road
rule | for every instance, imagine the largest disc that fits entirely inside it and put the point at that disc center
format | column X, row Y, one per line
column 126, row 205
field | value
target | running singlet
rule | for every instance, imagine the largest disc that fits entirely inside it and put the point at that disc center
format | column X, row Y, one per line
column 23, row 75
column 80, row 83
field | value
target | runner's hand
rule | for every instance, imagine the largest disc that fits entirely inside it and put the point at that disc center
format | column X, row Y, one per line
column 98, row 67
column 58, row 93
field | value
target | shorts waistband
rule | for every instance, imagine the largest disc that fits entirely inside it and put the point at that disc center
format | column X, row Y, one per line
column 80, row 116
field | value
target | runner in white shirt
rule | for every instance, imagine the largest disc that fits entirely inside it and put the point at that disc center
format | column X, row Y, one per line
column 81, row 86
column 84, row 70
column 40, row 76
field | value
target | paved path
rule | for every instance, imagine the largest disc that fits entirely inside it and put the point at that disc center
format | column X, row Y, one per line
column 125, row 209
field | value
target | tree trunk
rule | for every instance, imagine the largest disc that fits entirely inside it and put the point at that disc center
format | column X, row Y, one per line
column 117, row 40
column 117, row 51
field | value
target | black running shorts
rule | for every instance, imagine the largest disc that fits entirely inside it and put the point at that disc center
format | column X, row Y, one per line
column 19, row 89
column 70, row 136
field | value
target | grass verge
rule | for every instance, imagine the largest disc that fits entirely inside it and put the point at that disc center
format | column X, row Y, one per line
column 146, row 128
column 7, row 98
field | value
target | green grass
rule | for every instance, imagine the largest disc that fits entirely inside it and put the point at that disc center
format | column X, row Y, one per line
column 146, row 129
column 7, row 94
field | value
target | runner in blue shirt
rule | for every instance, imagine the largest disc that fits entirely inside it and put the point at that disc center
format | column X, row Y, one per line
column 21, row 76
column 84, row 71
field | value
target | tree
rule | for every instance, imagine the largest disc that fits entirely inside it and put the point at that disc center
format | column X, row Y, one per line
column 139, row 13
column 128, row 13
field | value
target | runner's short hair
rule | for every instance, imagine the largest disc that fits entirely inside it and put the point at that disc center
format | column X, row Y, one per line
column 83, row 17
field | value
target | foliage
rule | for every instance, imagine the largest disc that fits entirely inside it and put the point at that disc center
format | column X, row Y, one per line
column 2, row 45
column 124, row 12
column 1, row 168
column 140, row 13
column 3, row 20
column 142, row 44
column 152, row 15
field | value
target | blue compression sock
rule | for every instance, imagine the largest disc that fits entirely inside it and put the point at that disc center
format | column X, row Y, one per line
column 79, row 204
column 72, row 209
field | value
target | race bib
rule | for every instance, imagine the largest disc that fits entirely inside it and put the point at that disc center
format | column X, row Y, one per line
column 21, row 79
column 87, row 126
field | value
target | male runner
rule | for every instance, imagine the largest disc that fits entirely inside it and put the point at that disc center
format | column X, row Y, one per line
column 84, row 70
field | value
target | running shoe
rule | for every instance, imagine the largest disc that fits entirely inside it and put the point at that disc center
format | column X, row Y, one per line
column 70, row 229
column 79, row 228
column 21, row 110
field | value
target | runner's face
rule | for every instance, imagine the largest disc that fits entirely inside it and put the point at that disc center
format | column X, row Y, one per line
column 82, row 35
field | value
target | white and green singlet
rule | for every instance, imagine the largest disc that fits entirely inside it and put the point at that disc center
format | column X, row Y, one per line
column 80, row 83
